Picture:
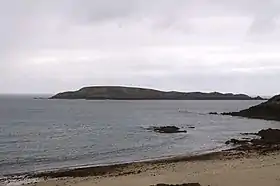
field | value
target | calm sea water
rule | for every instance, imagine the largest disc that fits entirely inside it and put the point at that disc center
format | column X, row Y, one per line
column 41, row 134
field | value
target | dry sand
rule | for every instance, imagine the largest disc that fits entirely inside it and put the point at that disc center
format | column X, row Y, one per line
column 256, row 170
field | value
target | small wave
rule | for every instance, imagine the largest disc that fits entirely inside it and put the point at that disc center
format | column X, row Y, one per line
column 17, row 180
column 190, row 112
column 185, row 111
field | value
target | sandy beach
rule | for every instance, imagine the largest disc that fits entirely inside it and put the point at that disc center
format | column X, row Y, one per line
column 255, row 170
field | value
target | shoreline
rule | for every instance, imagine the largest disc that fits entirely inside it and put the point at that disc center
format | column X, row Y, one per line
column 144, row 161
column 216, row 168
column 110, row 170
column 119, row 168
column 267, row 146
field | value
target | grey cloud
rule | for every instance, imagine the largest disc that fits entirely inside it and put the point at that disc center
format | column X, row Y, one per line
column 187, row 45
column 265, row 18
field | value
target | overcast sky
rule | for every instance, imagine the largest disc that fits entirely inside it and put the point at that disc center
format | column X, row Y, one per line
column 48, row 46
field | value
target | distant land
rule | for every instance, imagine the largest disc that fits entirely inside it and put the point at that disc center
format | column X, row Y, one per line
column 133, row 93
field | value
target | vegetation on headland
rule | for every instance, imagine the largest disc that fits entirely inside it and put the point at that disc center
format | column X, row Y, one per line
column 132, row 93
column 269, row 110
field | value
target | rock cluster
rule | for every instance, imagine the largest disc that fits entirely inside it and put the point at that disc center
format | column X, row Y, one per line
column 167, row 129
column 269, row 141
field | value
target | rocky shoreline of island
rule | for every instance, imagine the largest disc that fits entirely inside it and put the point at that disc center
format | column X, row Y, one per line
column 135, row 93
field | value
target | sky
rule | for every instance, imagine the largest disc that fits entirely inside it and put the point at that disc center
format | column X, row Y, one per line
column 48, row 46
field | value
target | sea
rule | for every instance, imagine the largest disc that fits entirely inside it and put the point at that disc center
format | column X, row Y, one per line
column 42, row 134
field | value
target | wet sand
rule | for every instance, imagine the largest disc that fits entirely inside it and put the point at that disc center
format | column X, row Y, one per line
column 216, row 169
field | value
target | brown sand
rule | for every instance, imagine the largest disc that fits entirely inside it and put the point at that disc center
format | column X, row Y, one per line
column 256, row 170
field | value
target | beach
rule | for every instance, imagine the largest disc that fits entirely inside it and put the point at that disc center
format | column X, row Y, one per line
column 84, row 146
column 214, row 170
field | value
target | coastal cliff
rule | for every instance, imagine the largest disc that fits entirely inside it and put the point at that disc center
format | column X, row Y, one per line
column 269, row 110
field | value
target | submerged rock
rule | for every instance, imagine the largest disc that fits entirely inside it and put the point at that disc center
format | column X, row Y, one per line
column 191, row 127
column 269, row 141
column 248, row 133
column 213, row 113
column 237, row 141
column 167, row 129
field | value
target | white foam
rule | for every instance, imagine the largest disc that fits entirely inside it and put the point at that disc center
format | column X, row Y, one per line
column 16, row 181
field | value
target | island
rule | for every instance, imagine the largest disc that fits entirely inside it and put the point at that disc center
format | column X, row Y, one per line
column 269, row 110
column 133, row 93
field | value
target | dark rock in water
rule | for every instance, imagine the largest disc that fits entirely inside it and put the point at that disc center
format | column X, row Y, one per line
column 267, row 136
column 184, row 184
column 168, row 129
column 236, row 142
column 246, row 138
column 213, row 113
column 270, row 135
column 248, row 133
column 269, row 141
column 269, row 110
column 227, row 113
